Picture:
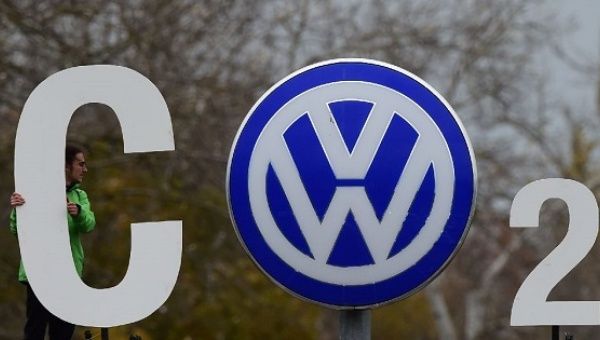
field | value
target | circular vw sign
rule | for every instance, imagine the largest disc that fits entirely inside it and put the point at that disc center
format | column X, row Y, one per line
column 351, row 183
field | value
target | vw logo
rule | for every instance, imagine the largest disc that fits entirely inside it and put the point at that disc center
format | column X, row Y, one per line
column 351, row 183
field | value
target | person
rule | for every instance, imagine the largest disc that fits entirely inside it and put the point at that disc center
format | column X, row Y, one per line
column 80, row 219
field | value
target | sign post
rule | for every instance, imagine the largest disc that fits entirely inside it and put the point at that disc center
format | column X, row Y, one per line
column 355, row 324
column 351, row 184
column 555, row 332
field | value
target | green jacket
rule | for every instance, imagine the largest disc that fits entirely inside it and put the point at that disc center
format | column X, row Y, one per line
column 82, row 223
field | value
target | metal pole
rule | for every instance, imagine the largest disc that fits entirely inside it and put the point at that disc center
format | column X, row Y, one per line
column 355, row 324
column 104, row 333
column 555, row 331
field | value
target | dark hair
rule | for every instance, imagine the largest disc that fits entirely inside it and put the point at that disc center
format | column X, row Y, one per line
column 71, row 151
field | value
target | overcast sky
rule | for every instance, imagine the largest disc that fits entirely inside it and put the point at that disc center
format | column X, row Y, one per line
column 582, row 39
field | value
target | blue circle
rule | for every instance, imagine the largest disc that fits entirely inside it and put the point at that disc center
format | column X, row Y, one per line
column 376, row 293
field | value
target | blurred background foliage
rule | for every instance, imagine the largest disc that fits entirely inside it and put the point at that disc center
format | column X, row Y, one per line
column 212, row 60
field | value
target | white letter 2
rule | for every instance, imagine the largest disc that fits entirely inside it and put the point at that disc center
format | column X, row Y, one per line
column 530, row 307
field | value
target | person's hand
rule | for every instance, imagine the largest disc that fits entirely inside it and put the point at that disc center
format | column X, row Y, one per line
column 16, row 200
column 73, row 209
